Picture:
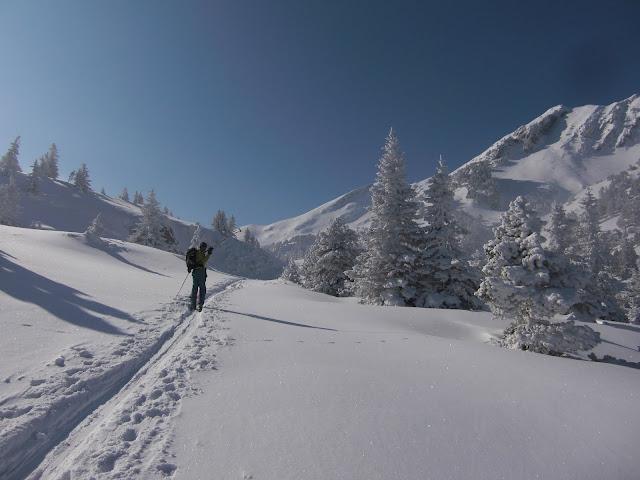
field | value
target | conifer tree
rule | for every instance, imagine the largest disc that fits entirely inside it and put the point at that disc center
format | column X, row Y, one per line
column 386, row 273
column 9, row 162
column 125, row 194
column 561, row 231
column 447, row 280
column 95, row 230
column 291, row 272
column 149, row 230
column 232, row 226
column 9, row 202
column 528, row 285
column 50, row 162
column 195, row 239
column 81, row 178
column 334, row 253
column 249, row 238
column 633, row 311
column 220, row 223
column 591, row 247
column 138, row 199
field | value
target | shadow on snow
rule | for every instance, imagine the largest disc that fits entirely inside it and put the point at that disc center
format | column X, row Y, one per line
column 60, row 300
column 268, row 319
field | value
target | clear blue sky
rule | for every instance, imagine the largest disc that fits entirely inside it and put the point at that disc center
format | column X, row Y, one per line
column 269, row 108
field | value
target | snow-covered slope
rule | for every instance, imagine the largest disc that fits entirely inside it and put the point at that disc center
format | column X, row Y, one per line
column 58, row 205
column 77, row 320
column 107, row 376
column 554, row 157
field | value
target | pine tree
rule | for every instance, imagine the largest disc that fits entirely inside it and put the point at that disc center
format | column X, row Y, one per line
column 138, row 199
column 103, row 192
column 527, row 284
column 95, row 230
column 517, row 281
column 386, row 272
column 447, row 280
column 50, row 162
column 633, row 311
column 9, row 202
column 125, row 194
column 591, row 247
column 9, row 162
column 561, row 230
column 81, row 178
column 220, row 223
column 334, row 253
column 249, row 238
column 232, row 226
column 149, row 230
column 624, row 256
column 34, row 176
column 291, row 272
column 195, row 239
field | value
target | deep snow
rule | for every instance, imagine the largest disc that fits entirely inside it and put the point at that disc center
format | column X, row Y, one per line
column 107, row 376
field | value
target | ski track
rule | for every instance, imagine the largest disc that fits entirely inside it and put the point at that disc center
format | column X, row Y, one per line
column 110, row 417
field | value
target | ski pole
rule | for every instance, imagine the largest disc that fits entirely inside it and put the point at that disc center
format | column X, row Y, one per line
column 185, row 279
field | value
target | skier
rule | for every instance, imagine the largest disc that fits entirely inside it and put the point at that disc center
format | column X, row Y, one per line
column 197, row 265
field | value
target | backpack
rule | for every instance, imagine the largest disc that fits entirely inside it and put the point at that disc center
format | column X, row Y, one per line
column 191, row 259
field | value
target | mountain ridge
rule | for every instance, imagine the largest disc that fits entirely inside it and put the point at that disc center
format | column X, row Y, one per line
column 554, row 157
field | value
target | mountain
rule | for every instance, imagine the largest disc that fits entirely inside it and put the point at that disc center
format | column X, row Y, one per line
column 59, row 205
column 555, row 157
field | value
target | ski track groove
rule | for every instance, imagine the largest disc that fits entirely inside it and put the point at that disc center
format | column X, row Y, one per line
column 36, row 447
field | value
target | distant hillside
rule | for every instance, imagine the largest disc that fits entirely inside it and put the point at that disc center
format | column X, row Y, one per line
column 555, row 157
column 59, row 205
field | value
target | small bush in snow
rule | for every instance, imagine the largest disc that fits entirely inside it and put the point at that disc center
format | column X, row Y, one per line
column 550, row 338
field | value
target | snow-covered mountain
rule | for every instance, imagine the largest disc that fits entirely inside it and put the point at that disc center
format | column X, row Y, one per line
column 555, row 157
column 58, row 205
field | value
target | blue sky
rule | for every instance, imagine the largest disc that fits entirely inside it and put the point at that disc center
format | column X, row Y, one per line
column 268, row 108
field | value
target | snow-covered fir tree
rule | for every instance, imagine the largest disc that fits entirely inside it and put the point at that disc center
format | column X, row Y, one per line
column 633, row 307
column 151, row 230
column 334, row 253
column 291, row 272
column 95, row 231
column 125, row 194
column 591, row 245
column 138, row 199
column 196, row 238
column 232, row 226
column 481, row 186
column 221, row 224
column 623, row 256
column 447, row 280
column 9, row 164
column 250, row 238
column 561, row 230
column 386, row 272
column 81, row 178
column 50, row 162
column 529, row 285
column 9, row 202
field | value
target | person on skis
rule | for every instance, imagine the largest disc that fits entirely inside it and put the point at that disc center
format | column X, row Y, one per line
column 197, row 265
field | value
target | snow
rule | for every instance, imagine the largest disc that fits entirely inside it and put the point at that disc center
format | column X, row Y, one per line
column 60, row 206
column 318, row 387
column 76, row 322
column 106, row 375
